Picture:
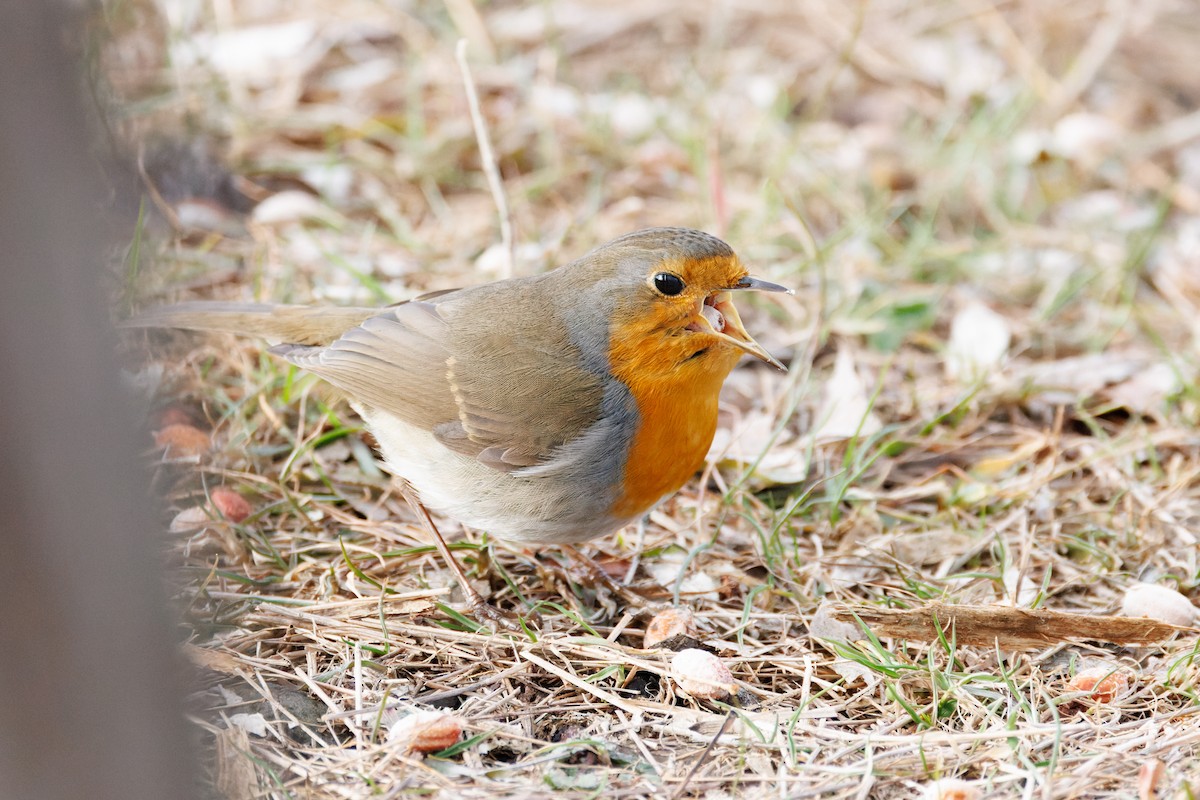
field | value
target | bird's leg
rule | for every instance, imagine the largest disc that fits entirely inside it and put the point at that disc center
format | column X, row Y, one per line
column 477, row 607
column 597, row 574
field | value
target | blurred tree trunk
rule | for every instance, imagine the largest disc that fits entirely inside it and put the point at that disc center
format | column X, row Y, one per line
column 90, row 674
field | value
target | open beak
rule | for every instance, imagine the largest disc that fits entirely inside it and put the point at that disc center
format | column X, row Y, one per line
column 719, row 317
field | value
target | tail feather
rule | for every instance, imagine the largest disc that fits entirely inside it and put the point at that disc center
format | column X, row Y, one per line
column 302, row 325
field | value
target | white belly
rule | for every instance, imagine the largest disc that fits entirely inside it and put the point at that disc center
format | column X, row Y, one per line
column 506, row 505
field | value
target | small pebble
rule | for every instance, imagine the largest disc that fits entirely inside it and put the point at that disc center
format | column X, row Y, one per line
column 425, row 731
column 668, row 623
column 232, row 505
column 1158, row 602
column 951, row 789
column 1105, row 683
column 701, row 674
column 181, row 440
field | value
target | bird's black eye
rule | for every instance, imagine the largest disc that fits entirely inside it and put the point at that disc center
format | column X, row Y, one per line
column 668, row 284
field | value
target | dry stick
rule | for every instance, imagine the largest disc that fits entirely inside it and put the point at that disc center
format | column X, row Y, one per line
column 1012, row 628
column 1100, row 46
column 488, row 159
column 703, row 756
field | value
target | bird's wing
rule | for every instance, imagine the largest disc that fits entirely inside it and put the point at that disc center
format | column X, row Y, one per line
column 393, row 361
column 508, row 398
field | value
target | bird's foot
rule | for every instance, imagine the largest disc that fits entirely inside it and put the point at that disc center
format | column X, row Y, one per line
column 590, row 573
column 496, row 619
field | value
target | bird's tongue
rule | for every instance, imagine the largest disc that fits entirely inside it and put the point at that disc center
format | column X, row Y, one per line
column 719, row 312
column 714, row 317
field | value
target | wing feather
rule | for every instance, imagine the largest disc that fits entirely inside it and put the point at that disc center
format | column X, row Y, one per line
column 512, row 404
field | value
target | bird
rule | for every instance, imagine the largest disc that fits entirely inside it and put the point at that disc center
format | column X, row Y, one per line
column 545, row 410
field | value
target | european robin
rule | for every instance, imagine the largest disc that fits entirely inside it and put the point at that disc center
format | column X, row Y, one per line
column 546, row 409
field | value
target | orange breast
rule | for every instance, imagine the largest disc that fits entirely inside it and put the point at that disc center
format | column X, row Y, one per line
column 677, row 405
column 668, row 448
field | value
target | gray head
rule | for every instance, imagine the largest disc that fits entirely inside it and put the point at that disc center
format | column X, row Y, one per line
column 666, row 293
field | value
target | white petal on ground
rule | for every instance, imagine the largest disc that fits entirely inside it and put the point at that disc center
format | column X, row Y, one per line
column 1020, row 590
column 1085, row 138
column 846, row 406
column 979, row 340
column 290, row 206
column 256, row 51
column 255, row 724
column 695, row 585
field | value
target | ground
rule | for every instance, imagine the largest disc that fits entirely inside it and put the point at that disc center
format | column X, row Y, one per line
column 989, row 213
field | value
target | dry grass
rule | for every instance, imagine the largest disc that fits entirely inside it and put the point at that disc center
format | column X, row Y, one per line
column 905, row 167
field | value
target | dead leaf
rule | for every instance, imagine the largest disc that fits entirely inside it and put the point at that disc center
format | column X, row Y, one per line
column 1149, row 775
column 1147, row 391
column 695, row 585
column 253, row 52
column 778, row 460
column 1019, row 589
column 215, row 660
column 254, row 724
column 1067, row 380
column 846, row 406
column 290, row 206
column 825, row 628
column 237, row 776
column 190, row 520
column 922, row 547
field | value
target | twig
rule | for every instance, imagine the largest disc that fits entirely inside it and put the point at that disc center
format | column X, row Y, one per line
column 595, row 691
column 155, row 196
column 488, row 159
column 1171, row 134
column 716, row 185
